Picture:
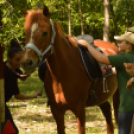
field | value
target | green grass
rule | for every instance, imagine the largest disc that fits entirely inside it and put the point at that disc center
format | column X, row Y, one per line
column 34, row 117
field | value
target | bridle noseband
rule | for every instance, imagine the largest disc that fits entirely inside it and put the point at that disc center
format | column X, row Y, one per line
column 41, row 54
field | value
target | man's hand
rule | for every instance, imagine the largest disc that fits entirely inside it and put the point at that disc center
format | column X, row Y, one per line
column 83, row 43
column 129, row 84
column 104, row 70
column 129, row 68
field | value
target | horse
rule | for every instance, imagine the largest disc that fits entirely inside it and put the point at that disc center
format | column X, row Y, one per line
column 66, row 82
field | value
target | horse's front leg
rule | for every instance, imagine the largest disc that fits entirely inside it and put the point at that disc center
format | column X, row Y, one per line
column 106, row 109
column 59, row 117
column 80, row 115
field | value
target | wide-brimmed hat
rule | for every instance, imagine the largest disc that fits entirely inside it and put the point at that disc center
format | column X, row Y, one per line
column 129, row 37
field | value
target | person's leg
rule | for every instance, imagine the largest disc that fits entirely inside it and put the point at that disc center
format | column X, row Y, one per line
column 125, row 122
column 8, row 116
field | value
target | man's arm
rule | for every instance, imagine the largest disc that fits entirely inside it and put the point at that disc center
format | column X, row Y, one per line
column 96, row 54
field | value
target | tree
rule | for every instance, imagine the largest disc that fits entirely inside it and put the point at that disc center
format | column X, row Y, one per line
column 113, row 17
column 81, row 17
column 106, row 23
column 69, row 16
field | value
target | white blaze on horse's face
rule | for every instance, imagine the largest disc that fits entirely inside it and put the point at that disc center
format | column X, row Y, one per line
column 31, row 58
column 34, row 27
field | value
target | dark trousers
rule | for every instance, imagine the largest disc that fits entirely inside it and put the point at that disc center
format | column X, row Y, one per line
column 125, row 122
column 8, row 116
column 132, row 128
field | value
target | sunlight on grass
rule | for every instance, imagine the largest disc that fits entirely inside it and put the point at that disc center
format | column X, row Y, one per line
column 34, row 117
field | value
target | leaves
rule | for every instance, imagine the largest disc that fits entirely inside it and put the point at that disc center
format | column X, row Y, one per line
column 93, row 16
column 2, row 2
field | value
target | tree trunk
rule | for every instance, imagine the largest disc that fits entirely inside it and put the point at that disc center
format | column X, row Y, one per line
column 126, row 16
column 0, row 21
column 114, row 20
column 81, row 17
column 69, row 16
column 106, row 24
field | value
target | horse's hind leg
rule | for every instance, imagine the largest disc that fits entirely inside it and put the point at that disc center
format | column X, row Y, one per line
column 59, row 117
column 106, row 110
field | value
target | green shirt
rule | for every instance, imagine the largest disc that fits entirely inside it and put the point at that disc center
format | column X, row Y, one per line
column 126, row 96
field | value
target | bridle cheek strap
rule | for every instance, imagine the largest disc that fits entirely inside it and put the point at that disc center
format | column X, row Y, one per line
column 41, row 54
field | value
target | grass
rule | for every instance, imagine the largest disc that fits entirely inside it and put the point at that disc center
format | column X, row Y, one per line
column 34, row 117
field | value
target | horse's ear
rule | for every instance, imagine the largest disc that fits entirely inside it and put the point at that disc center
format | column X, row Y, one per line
column 28, row 12
column 46, row 11
column 25, row 13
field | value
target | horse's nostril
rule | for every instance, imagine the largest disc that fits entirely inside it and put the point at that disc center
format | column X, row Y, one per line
column 30, row 62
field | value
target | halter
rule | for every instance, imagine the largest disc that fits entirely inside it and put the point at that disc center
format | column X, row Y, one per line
column 41, row 54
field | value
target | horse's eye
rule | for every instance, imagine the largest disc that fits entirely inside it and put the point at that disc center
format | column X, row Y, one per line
column 44, row 34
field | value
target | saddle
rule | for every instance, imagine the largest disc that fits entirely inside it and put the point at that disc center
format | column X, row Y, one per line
column 92, row 67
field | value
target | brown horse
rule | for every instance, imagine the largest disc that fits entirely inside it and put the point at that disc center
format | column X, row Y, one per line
column 66, row 82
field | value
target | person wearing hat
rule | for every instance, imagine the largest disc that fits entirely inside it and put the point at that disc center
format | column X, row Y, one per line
column 126, row 47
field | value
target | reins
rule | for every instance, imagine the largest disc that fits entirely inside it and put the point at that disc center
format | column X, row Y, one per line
column 41, row 54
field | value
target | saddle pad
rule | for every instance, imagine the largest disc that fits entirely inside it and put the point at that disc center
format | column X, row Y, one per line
column 86, row 37
column 90, row 64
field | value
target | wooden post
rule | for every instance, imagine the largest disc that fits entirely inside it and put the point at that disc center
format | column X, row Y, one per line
column 2, row 92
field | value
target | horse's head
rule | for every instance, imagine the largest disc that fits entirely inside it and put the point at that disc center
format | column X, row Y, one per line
column 40, row 34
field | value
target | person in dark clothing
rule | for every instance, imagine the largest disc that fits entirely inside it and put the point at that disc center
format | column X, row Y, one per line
column 11, row 74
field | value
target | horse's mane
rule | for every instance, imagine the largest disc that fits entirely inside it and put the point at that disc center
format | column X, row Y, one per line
column 31, row 17
column 37, row 16
column 59, row 28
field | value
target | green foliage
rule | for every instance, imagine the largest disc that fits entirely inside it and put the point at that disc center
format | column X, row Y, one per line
column 93, row 16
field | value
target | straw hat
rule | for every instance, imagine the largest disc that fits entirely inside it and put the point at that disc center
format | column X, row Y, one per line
column 129, row 37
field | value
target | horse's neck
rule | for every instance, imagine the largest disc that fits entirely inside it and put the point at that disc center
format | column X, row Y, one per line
column 64, row 55
column 63, row 49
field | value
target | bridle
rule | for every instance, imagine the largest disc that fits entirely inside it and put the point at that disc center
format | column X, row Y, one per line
column 41, row 54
